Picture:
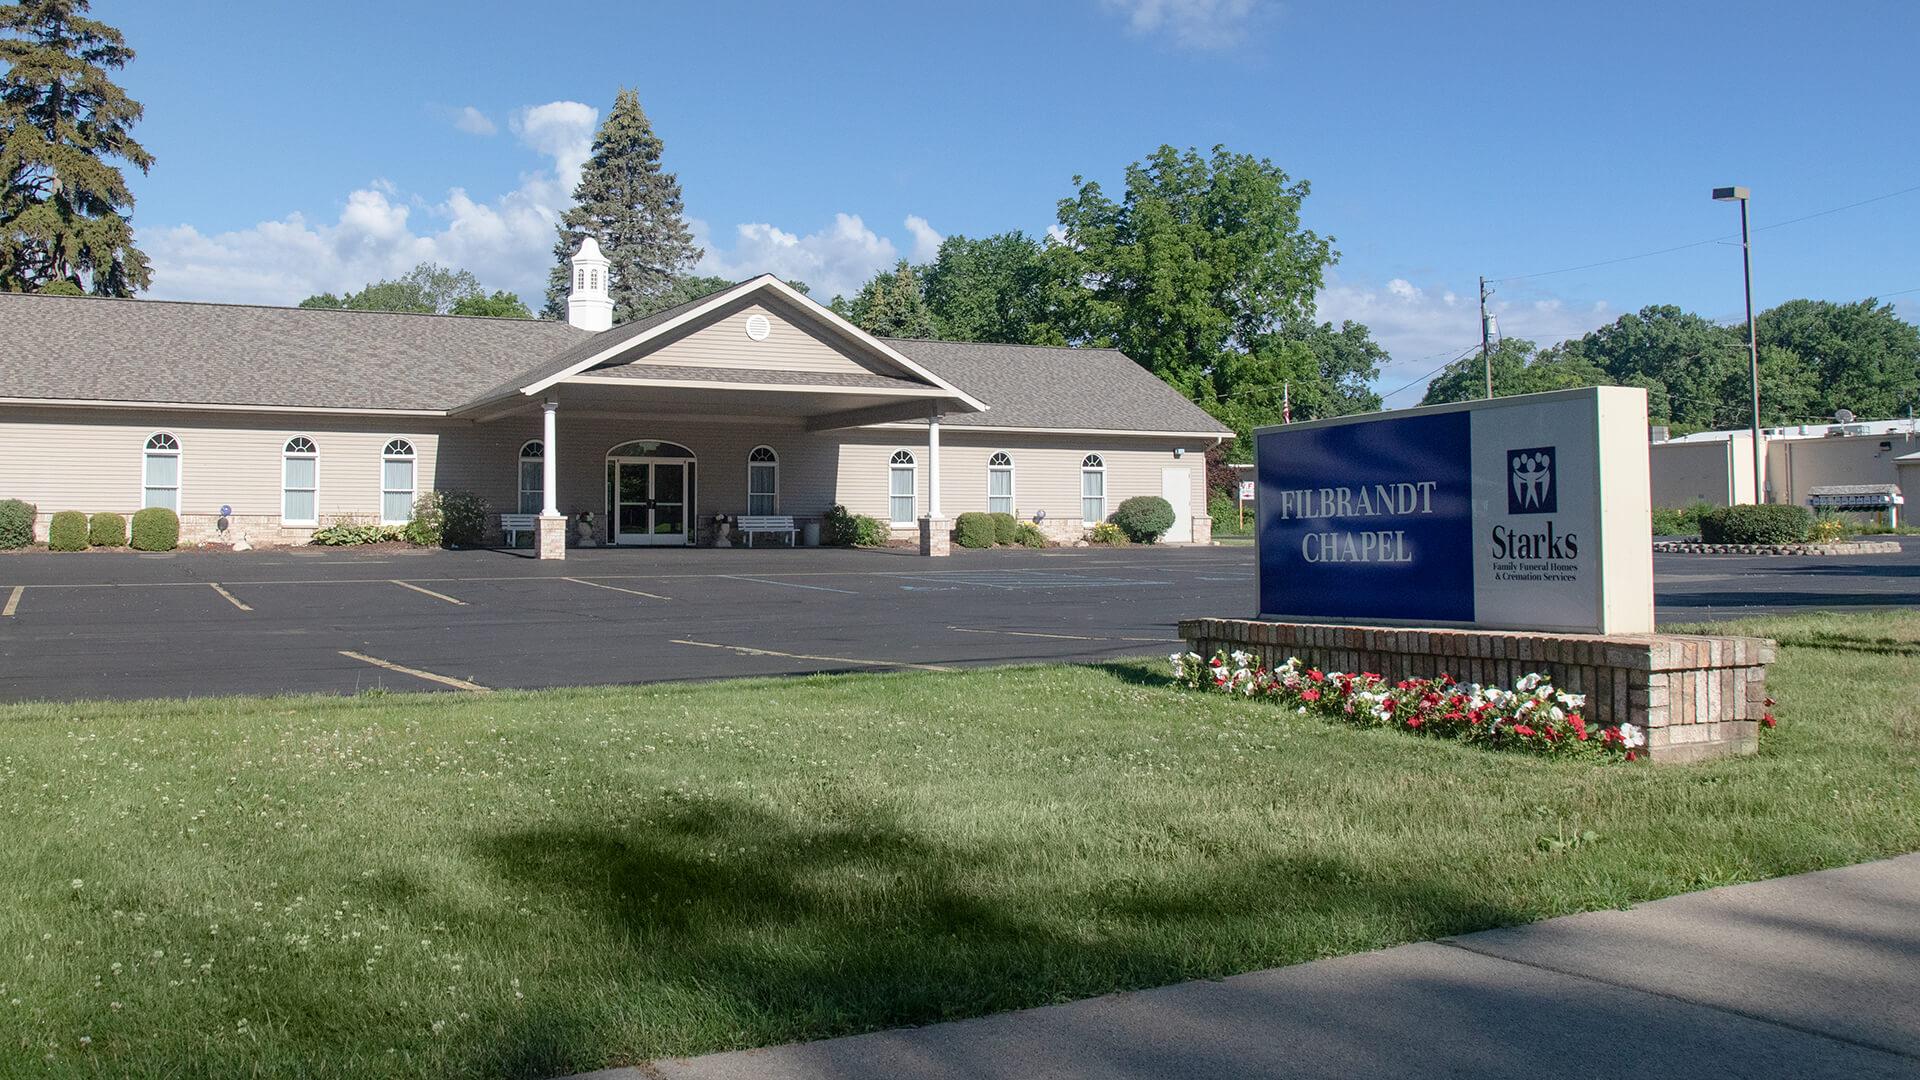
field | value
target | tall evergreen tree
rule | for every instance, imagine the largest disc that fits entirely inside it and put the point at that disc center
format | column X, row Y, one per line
column 633, row 208
column 63, row 209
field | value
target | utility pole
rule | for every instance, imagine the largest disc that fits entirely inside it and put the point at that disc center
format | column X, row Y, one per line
column 1486, row 337
column 1741, row 195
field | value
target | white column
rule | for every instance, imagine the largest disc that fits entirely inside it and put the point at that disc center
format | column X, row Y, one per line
column 549, row 462
column 933, row 466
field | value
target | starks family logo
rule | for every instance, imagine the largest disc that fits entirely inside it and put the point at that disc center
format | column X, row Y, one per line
column 1530, row 485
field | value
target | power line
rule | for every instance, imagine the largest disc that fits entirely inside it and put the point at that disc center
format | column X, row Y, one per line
column 1712, row 240
column 1429, row 375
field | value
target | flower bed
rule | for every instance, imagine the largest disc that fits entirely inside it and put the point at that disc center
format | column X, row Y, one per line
column 1532, row 717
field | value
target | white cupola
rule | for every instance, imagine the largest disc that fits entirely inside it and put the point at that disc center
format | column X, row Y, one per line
column 588, row 305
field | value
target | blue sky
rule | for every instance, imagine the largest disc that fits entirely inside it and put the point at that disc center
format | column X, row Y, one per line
column 320, row 146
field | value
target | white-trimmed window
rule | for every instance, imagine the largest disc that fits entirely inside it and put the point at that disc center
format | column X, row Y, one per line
column 533, row 477
column 396, row 483
column 299, row 482
column 763, row 481
column 1000, row 484
column 1093, row 488
column 903, row 481
column 160, row 477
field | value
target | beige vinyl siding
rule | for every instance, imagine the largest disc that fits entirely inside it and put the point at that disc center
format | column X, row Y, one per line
column 1046, row 469
column 92, row 460
column 790, row 346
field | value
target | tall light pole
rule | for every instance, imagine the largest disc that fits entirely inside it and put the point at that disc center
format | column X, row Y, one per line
column 1741, row 195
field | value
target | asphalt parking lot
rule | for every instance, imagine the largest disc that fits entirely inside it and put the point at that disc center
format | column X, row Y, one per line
column 125, row 625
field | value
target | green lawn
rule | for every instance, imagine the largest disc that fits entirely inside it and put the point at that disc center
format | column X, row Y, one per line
column 532, row 884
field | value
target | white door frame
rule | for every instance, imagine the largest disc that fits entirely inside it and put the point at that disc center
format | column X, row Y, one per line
column 687, row 495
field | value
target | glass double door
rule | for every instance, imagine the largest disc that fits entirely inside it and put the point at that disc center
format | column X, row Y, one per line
column 650, row 501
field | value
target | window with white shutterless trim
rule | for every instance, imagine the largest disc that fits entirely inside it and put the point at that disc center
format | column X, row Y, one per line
column 1093, row 488
column 1000, row 484
column 763, row 481
column 160, row 473
column 397, row 463
column 533, row 460
column 299, row 482
column 903, row 482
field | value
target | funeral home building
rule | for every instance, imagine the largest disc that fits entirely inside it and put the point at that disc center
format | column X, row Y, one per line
column 268, row 422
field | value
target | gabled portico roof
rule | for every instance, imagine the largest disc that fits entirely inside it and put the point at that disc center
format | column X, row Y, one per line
column 602, row 359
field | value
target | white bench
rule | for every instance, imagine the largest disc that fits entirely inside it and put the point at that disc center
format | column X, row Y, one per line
column 512, row 525
column 748, row 524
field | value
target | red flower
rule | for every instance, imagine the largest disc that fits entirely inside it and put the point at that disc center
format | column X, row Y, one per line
column 1316, row 674
column 1414, row 723
column 1631, row 756
column 1767, row 719
column 1215, row 662
column 1579, row 727
column 1522, row 729
column 1388, row 705
column 1309, row 695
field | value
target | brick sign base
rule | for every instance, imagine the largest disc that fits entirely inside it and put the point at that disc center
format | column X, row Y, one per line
column 1697, row 697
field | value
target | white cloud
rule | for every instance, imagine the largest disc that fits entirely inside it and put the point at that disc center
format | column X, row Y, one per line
column 379, row 233
column 1192, row 24
column 926, row 242
column 1422, row 332
column 474, row 122
column 835, row 261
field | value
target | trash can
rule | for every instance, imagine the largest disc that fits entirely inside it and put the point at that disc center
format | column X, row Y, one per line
column 810, row 534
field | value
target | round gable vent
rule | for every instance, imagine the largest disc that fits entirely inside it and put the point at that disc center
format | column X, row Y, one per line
column 758, row 327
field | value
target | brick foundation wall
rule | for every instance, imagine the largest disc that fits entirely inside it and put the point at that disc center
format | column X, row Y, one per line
column 1697, row 697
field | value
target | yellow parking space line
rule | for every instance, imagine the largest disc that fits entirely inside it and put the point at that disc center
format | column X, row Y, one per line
column 616, row 588
column 231, row 599
column 13, row 602
column 748, row 651
column 444, row 680
column 429, row 592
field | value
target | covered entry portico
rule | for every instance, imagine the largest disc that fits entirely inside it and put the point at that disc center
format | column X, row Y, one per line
column 650, row 426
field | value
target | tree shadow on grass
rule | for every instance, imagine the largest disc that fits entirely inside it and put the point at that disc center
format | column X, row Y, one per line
column 1140, row 672
column 727, row 925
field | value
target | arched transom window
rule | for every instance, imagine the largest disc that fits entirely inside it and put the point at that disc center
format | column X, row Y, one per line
column 903, row 481
column 397, row 463
column 763, row 481
column 299, row 482
column 160, row 477
column 1093, row 488
column 532, row 475
column 1000, row 484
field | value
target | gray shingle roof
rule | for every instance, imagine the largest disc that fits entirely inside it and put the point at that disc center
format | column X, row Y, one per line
column 234, row 354
column 95, row 349
column 750, row 376
column 1037, row 386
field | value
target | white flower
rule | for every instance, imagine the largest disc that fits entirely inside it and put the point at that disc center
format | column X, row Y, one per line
column 1631, row 736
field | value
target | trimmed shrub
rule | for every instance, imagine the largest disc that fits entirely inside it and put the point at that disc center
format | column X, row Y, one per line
column 16, row 523
column 447, row 519
column 1106, row 532
column 846, row 529
column 1144, row 518
column 1683, row 522
column 1027, row 534
column 974, row 530
column 155, row 529
column 67, row 531
column 107, row 530
column 1763, row 524
column 1006, row 528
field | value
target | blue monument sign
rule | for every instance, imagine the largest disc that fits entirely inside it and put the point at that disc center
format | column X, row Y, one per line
column 1485, row 514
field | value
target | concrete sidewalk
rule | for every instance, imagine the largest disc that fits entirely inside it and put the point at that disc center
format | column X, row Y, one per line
column 1810, row 976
